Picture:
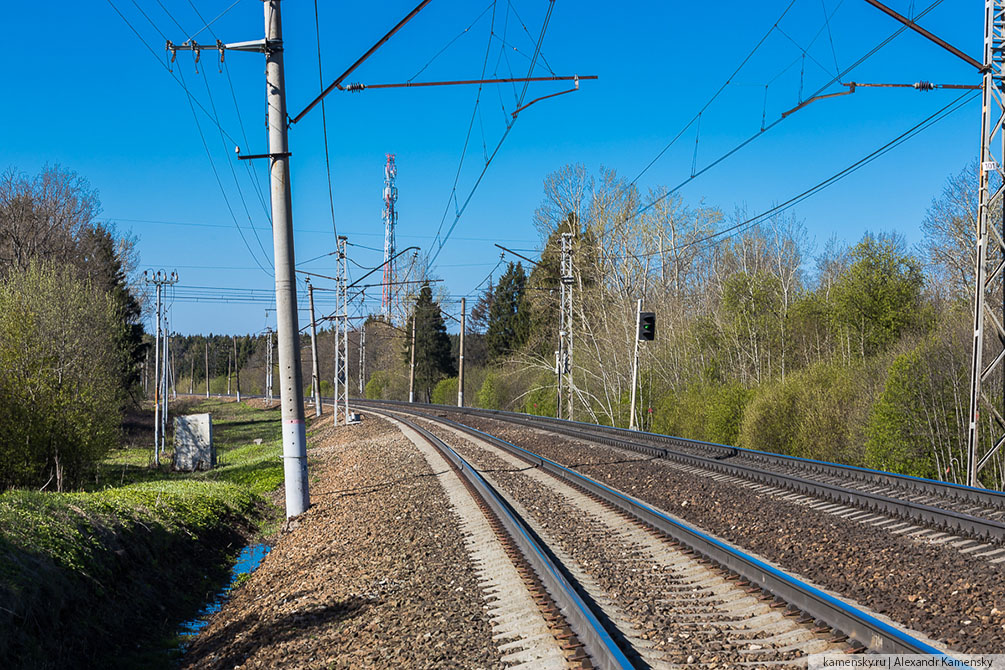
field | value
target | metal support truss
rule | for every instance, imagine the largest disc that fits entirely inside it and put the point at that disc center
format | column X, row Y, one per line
column 564, row 362
column 984, row 440
column 342, row 334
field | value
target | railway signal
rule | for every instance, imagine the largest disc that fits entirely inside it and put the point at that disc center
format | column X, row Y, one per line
column 645, row 329
column 647, row 326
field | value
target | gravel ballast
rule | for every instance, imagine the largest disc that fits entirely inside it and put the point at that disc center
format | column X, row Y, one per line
column 374, row 575
column 931, row 588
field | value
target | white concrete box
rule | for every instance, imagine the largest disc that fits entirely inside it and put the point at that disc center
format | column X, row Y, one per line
column 193, row 443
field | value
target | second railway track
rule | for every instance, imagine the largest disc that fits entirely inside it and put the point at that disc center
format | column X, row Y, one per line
column 660, row 597
column 961, row 510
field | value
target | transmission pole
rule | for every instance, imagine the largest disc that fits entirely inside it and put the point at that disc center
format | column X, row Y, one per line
column 565, row 328
column 159, row 279
column 191, row 377
column 990, row 255
column 460, row 358
column 157, row 382
column 291, row 392
column 268, row 366
column 315, row 378
column 164, row 386
column 174, row 370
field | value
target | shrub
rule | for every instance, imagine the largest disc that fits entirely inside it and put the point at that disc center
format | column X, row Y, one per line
column 377, row 385
column 703, row 411
column 816, row 413
column 489, row 396
column 543, row 399
column 445, row 391
column 60, row 397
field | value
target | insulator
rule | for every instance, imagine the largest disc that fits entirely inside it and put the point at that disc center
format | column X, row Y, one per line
column 355, row 86
column 925, row 86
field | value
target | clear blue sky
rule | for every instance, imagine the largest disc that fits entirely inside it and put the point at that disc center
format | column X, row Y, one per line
column 85, row 91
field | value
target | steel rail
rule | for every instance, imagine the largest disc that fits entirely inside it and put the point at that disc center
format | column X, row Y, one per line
column 632, row 440
column 843, row 617
column 601, row 647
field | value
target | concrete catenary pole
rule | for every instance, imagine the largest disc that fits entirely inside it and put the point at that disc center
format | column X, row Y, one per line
column 230, row 371
column 316, row 371
column 411, row 367
column 460, row 358
column 191, row 377
column 291, row 390
column 157, row 382
column 362, row 358
column 164, row 386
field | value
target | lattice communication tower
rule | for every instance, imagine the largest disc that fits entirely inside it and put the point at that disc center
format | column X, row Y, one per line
column 389, row 298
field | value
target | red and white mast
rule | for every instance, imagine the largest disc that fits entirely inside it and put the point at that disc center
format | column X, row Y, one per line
column 390, row 293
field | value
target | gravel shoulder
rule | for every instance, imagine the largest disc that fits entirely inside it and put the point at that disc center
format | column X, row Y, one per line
column 375, row 574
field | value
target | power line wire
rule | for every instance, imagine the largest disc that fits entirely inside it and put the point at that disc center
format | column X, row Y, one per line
column 509, row 126
column 324, row 124
column 717, row 93
column 750, row 222
column 764, row 129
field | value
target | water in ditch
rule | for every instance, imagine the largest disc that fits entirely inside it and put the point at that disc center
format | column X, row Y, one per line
column 247, row 562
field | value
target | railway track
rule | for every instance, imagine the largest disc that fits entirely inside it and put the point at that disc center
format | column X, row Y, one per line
column 662, row 592
column 960, row 510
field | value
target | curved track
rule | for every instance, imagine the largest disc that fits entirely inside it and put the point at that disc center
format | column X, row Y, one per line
column 748, row 634
column 972, row 512
column 554, row 593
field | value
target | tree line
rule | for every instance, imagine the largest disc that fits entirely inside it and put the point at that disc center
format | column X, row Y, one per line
column 71, row 342
column 852, row 353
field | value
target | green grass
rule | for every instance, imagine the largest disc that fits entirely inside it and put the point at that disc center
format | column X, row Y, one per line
column 85, row 576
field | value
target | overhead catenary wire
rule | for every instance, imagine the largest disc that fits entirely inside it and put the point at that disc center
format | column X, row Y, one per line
column 193, row 104
column 252, row 175
column 717, row 93
column 744, row 225
column 764, row 128
column 233, row 172
column 164, row 65
column 219, row 182
column 440, row 242
column 774, row 123
column 324, row 124
column 452, row 41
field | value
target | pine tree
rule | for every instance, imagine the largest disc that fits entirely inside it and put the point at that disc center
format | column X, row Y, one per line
column 509, row 318
column 433, row 361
